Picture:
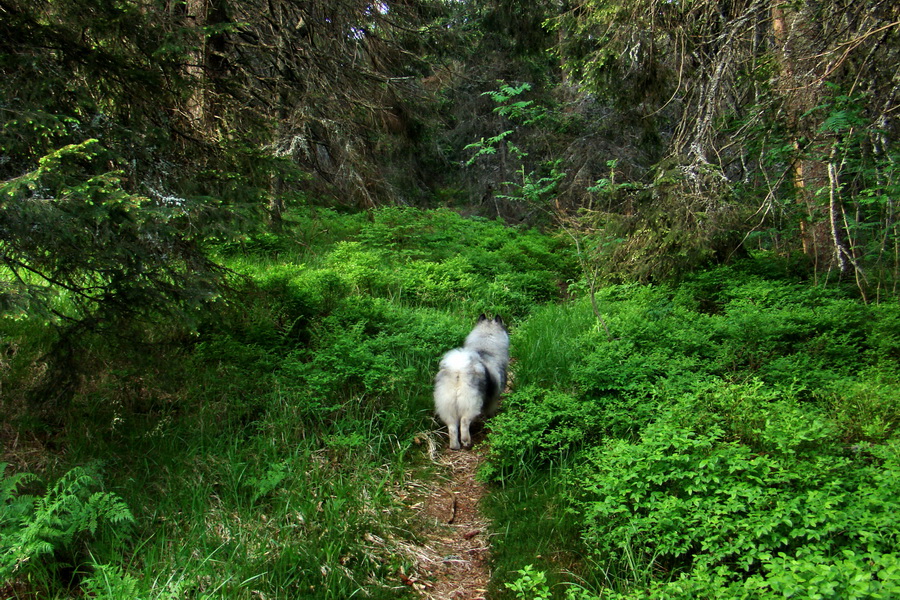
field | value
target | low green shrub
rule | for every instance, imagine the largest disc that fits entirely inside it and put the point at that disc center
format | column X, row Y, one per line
column 724, row 438
column 530, row 585
column 437, row 284
column 364, row 269
column 539, row 426
column 865, row 409
column 699, row 500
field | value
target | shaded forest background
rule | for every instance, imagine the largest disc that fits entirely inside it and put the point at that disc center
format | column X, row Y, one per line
column 235, row 237
column 667, row 133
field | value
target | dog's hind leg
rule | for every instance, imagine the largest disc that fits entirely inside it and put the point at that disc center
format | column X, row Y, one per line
column 453, row 429
column 464, row 435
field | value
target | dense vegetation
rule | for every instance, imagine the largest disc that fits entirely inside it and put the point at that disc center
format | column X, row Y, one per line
column 236, row 237
column 731, row 437
column 262, row 453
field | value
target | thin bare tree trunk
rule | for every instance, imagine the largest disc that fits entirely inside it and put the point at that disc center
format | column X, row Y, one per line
column 276, row 202
column 207, row 64
column 836, row 213
column 800, row 86
column 843, row 254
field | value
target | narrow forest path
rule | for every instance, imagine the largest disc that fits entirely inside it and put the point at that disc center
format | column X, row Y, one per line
column 453, row 552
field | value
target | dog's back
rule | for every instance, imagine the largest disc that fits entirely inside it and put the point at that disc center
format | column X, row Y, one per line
column 490, row 341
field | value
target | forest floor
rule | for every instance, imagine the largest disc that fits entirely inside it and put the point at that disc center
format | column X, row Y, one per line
column 452, row 556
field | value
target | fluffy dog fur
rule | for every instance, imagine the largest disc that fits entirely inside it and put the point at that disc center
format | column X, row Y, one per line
column 470, row 379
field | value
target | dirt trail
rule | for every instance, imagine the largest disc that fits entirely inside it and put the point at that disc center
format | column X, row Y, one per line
column 453, row 556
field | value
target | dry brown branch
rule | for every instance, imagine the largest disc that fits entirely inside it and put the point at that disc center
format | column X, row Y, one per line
column 453, row 507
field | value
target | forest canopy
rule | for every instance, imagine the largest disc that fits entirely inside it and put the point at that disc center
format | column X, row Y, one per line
column 679, row 132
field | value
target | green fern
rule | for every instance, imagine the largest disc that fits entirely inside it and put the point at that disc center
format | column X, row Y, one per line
column 111, row 582
column 34, row 527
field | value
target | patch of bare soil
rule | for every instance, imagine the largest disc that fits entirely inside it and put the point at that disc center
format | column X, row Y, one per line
column 453, row 554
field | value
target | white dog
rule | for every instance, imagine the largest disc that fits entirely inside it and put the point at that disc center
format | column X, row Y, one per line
column 470, row 379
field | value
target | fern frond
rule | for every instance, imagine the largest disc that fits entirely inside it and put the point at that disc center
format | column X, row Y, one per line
column 9, row 484
column 40, row 526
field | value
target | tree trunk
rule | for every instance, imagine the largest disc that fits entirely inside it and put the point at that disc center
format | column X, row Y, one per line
column 800, row 83
column 208, row 63
column 836, row 212
column 276, row 202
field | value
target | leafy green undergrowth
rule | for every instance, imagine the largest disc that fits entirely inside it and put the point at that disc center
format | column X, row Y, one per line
column 415, row 258
column 259, row 454
column 732, row 436
column 735, row 436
